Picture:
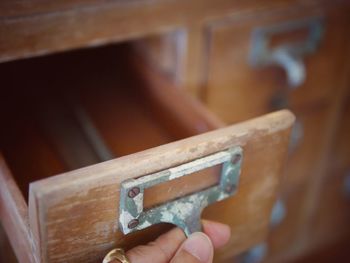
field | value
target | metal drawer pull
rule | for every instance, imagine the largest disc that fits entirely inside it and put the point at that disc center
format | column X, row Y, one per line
column 289, row 55
column 296, row 136
column 183, row 212
column 278, row 213
column 254, row 255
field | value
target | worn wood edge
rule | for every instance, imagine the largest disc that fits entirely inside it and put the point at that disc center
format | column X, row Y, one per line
column 16, row 11
column 265, row 232
column 117, row 33
column 162, row 157
column 14, row 217
column 34, row 204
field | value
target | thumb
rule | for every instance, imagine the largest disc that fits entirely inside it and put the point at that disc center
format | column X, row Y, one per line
column 197, row 248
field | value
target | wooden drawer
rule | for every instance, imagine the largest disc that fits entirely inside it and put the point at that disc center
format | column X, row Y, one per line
column 289, row 240
column 330, row 223
column 309, row 137
column 82, row 108
column 341, row 156
column 233, row 80
column 333, row 208
column 285, row 241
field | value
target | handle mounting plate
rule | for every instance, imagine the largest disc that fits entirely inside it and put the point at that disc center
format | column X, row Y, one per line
column 185, row 211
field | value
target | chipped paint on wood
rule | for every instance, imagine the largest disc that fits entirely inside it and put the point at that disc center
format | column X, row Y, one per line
column 183, row 212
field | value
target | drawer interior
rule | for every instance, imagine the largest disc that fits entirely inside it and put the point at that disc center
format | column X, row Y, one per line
column 66, row 111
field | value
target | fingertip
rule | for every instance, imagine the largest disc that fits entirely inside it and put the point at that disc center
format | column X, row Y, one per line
column 160, row 250
column 218, row 233
column 199, row 246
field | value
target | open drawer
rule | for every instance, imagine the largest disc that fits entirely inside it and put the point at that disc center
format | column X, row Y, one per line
column 100, row 117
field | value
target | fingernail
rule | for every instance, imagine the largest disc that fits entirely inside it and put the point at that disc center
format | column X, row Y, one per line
column 199, row 245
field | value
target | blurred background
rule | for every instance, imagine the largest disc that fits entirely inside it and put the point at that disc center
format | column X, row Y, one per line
column 71, row 96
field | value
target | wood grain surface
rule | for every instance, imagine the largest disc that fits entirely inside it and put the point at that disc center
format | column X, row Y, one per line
column 77, row 212
column 14, row 216
column 232, row 81
column 40, row 27
column 133, row 108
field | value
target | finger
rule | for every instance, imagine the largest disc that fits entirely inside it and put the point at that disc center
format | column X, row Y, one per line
column 197, row 248
column 219, row 233
column 159, row 251
column 165, row 246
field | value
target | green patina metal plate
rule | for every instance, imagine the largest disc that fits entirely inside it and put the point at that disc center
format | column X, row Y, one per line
column 185, row 211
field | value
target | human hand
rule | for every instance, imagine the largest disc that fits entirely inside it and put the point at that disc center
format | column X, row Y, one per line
column 173, row 247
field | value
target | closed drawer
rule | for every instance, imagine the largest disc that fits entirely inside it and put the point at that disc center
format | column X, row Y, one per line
column 241, row 64
column 100, row 117
column 289, row 239
column 330, row 222
column 234, row 78
column 333, row 213
column 341, row 155
column 286, row 241
column 307, row 146
column 333, row 207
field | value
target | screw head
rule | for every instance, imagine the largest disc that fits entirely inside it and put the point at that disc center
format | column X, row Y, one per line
column 133, row 192
column 133, row 223
column 236, row 158
column 230, row 188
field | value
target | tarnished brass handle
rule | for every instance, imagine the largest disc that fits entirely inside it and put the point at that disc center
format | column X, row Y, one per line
column 289, row 56
column 185, row 211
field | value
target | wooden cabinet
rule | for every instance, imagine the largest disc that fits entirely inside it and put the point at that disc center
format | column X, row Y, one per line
column 108, row 105
column 341, row 147
column 125, row 91
column 306, row 148
column 285, row 239
column 236, row 90
column 333, row 211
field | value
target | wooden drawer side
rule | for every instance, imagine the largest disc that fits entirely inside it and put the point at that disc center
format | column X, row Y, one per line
column 14, row 216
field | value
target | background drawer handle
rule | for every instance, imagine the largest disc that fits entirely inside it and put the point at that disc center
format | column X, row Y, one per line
column 278, row 213
column 347, row 186
column 254, row 255
column 289, row 56
column 183, row 212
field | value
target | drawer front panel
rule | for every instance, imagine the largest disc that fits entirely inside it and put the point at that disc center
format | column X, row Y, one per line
column 331, row 221
column 341, row 156
column 234, row 83
column 77, row 212
column 305, row 155
column 286, row 239
column 289, row 240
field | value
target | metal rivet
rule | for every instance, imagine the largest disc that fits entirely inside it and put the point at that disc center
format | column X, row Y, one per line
column 133, row 223
column 236, row 158
column 230, row 188
column 134, row 192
